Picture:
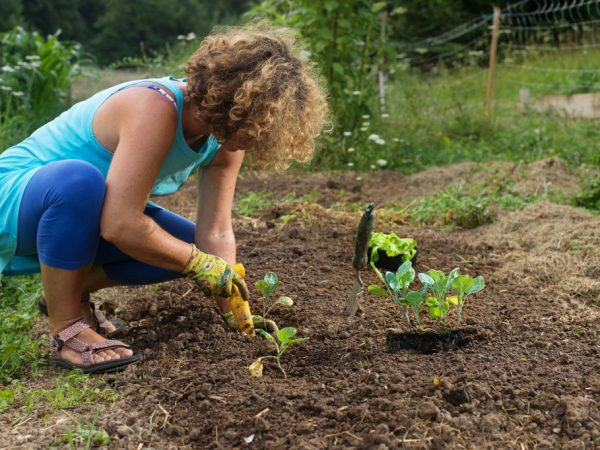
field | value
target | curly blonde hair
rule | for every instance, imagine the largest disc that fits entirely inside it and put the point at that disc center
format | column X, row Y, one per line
column 252, row 82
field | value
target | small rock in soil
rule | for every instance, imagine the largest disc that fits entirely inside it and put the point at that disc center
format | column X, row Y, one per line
column 124, row 430
column 428, row 411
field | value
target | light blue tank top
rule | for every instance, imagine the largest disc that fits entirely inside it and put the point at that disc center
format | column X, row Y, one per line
column 70, row 136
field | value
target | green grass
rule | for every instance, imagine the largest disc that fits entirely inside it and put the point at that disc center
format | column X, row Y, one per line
column 436, row 119
column 253, row 203
column 19, row 350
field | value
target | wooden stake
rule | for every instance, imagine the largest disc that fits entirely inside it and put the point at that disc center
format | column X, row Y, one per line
column 493, row 55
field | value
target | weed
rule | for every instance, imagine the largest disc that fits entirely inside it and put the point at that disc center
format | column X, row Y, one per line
column 69, row 391
column 86, row 436
column 589, row 196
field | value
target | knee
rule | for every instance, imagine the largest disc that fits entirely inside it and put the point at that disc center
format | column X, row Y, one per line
column 80, row 184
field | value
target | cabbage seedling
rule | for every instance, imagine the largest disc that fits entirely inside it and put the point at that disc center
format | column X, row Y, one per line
column 396, row 287
column 464, row 286
column 282, row 340
column 439, row 284
column 267, row 286
column 392, row 245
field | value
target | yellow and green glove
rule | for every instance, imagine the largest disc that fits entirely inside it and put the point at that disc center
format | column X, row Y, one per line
column 214, row 276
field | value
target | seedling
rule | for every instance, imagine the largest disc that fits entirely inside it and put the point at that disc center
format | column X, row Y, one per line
column 439, row 284
column 267, row 286
column 282, row 340
column 396, row 287
column 464, row 286
column 392, row 245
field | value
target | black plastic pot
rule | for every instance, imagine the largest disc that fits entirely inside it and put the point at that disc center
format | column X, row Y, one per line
column 428, row 341
column 391, row 263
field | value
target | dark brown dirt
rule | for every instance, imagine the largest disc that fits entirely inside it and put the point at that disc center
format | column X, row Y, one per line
column 531, row 379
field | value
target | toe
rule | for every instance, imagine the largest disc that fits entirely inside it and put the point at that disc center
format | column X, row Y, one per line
column 112, row 355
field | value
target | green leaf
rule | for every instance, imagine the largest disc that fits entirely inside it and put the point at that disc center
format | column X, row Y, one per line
column 478, row 285
column 338, row 68
column 285, row 334
column 272, row 280
column 437, row 276
column 426, row 280
column 263, row 287
column 297, row 340
column 375, row 8
column 405, row 274
column 390, row 277
column 415, row 298
column 285, row 301
column 377, row 290
column 462, row 284
column 264, row 334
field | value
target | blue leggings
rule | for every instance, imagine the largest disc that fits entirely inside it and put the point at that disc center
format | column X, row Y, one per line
column 59, row 220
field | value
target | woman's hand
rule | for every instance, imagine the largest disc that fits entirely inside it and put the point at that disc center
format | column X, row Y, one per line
column 213, row 275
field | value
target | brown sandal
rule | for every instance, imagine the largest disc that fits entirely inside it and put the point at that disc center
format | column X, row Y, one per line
column 68, row 337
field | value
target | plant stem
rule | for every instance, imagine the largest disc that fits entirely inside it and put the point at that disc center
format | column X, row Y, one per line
column 407, row 317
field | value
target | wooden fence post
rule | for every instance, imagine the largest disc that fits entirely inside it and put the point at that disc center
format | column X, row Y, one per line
column 493, row 57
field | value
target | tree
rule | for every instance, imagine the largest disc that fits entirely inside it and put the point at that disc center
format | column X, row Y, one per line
column 11, row 14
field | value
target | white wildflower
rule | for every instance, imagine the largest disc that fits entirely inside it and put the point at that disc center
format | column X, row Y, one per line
column 18, row 94
column 366, row 116
column 350, row 164
column 347, row 133
column 304, row 54
column 385, row 115
column 363, row 129
column 351, row 150
column 7, row 69
column 190, row 36
column 180, row 37
column 355, row 92
column 381, row 162
column 32, row 57
column 6, row 88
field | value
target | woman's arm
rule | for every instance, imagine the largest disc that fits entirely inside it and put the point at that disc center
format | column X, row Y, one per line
column 216, row 187
column 146, row 127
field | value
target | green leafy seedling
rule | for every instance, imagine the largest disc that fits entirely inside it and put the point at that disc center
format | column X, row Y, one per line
column 282, row 340
column 396, row 286
column 392, row 245
column 439, row 284
column 267, row 286
column 464, row 286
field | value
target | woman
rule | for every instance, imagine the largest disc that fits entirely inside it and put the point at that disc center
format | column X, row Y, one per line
column 74, row 195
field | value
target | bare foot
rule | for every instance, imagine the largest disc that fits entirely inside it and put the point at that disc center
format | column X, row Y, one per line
column 89, row 336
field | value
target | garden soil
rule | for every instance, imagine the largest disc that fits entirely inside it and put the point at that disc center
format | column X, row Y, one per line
column 530, row 377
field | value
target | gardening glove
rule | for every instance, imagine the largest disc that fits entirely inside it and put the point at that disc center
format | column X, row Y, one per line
column 214, row 276
column 240, row 317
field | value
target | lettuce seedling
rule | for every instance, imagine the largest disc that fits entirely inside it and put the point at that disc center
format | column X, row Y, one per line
column 392, row 245
column 282, row 340
column 464, row 286
column 439, row 284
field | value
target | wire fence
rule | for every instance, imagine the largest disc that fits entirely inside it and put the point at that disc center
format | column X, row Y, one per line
column 545, row 48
